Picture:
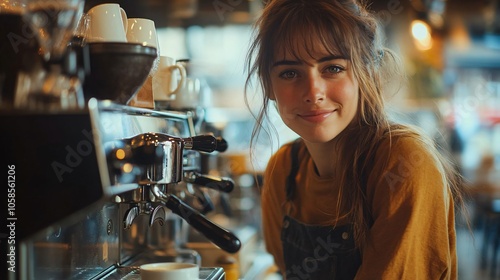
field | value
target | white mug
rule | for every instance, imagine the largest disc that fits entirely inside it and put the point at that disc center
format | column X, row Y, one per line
column 188, row 96
column 169, row 271
column 107, row 23
column 165, row 83
column 142, row 31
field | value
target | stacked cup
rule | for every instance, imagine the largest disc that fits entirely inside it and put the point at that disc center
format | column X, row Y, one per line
column 143, row 31
column 166, row 85
column 124, row 50
column 107, row 23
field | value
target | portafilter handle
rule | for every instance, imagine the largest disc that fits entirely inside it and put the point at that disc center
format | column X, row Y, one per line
column 202, row 143
column 221, row 237
column 221, row 144
column 205, row 143
column 222, row 184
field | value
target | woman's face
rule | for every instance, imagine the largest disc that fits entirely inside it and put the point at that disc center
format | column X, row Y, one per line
column 317, row 94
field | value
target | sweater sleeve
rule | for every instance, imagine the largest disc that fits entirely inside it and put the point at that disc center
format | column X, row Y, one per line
column 412, row 235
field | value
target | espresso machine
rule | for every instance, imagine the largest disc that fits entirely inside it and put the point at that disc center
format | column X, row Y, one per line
column 99, row 191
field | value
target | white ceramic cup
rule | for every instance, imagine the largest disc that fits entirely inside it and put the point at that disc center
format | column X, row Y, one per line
column 165, row 79
column 188, row 96
column 169, row 271
column 107, row 23
column 142, row 31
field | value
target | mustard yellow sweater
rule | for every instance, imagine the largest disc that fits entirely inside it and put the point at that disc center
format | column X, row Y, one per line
column 413, row 231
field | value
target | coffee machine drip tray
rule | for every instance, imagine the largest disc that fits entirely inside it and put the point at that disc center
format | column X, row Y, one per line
column 132, row 272
column 131, row 269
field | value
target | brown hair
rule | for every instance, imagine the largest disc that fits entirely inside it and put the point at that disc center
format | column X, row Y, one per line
column 345, row 28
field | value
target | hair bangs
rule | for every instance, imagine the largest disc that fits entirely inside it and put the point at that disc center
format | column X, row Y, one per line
column 299, row 32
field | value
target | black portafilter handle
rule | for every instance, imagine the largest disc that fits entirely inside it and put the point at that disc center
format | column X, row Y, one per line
column 222, row 184
column 205, row 143
column 221, row 237
column 221, row 144
column 202, row 143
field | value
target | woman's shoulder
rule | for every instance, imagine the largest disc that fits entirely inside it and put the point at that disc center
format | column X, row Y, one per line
column 408, row 151
column 407, row 141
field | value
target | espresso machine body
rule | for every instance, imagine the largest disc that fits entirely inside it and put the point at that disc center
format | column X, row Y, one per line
column 87, row 207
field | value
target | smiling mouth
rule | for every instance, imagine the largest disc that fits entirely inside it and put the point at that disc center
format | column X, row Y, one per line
column 316, row 116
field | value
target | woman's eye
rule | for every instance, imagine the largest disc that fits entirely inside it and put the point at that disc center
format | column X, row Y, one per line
column 334, row 69
column 288, row 74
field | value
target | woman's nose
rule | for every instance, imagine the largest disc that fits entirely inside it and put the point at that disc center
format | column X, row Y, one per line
column 315, row 90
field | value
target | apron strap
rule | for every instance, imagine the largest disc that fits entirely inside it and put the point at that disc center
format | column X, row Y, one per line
column 290, row 181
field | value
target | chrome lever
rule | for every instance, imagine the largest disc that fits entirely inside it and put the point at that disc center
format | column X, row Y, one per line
column 142, row 208
column 130, row 216
column 159, row 214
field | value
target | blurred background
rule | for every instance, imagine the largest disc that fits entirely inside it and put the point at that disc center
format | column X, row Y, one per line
column 451, row 52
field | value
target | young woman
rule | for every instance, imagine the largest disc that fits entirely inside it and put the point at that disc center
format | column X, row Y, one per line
column 356, row 196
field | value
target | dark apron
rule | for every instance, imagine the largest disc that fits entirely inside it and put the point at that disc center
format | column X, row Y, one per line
column 316, row 252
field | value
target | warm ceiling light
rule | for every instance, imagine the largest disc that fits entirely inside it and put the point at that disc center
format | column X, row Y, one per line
column 120, row 154
column 127, row 168
column 421, row 33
